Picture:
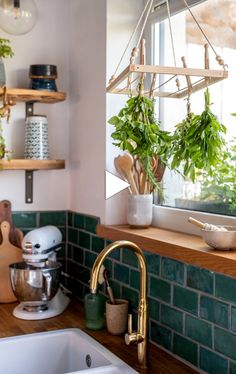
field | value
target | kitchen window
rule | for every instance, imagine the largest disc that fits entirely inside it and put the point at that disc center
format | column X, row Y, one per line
column 214, row 196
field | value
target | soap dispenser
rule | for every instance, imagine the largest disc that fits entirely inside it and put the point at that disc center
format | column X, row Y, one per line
column 94, row 311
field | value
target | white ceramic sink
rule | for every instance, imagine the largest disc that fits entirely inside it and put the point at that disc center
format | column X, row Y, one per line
column 58, row 352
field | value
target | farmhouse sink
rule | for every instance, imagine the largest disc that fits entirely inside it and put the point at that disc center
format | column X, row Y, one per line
column 58, row 352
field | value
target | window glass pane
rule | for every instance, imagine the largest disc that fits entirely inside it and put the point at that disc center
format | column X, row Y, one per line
column 214, row 194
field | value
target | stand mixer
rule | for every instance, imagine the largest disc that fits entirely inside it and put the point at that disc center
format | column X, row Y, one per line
column 36, row 281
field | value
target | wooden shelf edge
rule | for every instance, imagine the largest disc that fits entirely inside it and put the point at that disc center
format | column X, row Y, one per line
column 27, row 164
column 178, row 246
column 27, row 95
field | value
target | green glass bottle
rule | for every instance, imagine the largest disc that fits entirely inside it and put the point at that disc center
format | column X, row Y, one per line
column 94, row 311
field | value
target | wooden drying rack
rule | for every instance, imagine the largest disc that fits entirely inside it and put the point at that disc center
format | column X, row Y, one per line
column 133, row 73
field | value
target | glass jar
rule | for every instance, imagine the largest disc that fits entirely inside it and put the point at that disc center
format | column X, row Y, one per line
column 94, row 311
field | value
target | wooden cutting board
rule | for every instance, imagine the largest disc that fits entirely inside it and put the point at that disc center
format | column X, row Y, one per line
column 15, row 235
column 8, row 255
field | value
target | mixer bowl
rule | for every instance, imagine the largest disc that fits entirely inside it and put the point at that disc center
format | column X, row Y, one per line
column 222, row 240
column 34, row 286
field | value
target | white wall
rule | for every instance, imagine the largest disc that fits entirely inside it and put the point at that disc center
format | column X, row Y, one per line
column 46, row 43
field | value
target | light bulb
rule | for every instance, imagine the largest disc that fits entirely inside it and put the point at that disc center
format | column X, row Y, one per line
column 18, row 17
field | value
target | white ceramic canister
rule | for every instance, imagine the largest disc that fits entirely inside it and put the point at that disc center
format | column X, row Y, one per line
column 139, row 210
column 36, row 137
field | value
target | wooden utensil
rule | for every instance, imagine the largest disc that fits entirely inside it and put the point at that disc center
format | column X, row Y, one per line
column 15, row 235
column 206, row 226
column 117, row 166
column 8, row 255
column 125, row 164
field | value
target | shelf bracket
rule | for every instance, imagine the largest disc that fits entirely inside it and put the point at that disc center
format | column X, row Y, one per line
column 29, row 186
column 29, row 109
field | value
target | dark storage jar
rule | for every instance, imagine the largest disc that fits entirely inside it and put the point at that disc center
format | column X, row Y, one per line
column 43, row 77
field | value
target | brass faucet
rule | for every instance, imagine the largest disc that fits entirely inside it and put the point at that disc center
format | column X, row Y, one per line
column 140, row 337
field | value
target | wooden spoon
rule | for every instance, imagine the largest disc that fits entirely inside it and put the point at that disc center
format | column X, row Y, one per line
column 118, row 169
column 125, row 164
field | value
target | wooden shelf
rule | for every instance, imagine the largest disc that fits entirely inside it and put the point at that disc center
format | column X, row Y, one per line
column 27, row 164
column 25, row 95
column 187, row 248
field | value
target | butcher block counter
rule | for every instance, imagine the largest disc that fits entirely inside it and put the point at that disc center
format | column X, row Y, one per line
column 73, row 317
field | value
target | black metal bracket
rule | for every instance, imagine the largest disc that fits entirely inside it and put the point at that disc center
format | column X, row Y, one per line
column 29, row 176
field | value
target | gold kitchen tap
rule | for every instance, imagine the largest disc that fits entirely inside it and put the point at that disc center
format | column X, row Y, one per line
column 140, row 337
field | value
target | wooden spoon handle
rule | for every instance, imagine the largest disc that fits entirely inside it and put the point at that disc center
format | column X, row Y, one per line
column 196, row 222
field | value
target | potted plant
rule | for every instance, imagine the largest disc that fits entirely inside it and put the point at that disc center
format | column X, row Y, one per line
column 138, row 132
column 5, row 51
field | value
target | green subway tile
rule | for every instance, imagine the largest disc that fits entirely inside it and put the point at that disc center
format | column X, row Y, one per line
column 212, row 363
column 225, row 343
column 135, row 279
column 70, row 219
column 132, row 296
column 153, row 263
column 69, row 251
column 63, row 232
column 154, row 309
column 53, row 218
column 121, row 273
column 91, row 224
column 233, row 319
column 97, row 244
column 186, row 349
column 82, row 274
column 89, row 259
column 62, row 252
column 201, row 279
column 84, row 240
column 214, row 311
column 160, row 289
column 71, row 268
column 78, row 255
column 232, row 368
column 198, row 330
column 160, row 335
column 172, row 270
column 129, row 258
column 115, row 254
column 79, row 221
column 172, row 318
column 25, row 220
column 73, row 236
column 225, row 287
column 185, row 299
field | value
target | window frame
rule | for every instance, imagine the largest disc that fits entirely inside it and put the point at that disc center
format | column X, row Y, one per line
column 170, row 217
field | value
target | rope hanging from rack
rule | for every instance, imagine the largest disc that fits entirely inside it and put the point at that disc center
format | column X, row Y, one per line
column 147, row 9
column 218, row 58
column 172, row 41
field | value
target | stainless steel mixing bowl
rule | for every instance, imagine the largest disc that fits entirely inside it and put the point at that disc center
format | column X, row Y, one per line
column 222, row 240
column 33, row 285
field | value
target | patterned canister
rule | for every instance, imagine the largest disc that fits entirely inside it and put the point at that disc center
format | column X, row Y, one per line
column 36, row 137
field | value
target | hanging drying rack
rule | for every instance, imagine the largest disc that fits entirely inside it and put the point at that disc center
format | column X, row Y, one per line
column 126, row 81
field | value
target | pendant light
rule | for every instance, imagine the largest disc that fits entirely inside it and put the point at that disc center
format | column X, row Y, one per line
column 18, row 17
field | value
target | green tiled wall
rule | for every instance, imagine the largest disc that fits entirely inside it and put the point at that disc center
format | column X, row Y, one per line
column 192, row 311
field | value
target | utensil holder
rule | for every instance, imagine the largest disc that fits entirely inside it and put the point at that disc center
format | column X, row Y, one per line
column 139, row 210
column 117, row 316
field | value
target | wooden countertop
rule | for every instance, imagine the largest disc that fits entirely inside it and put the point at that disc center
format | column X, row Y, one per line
column 73, row 317
column 187, row 248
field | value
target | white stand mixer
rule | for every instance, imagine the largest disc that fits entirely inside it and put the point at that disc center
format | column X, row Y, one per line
column 35, row 281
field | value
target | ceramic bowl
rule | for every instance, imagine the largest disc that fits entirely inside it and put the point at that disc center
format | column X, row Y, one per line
column 221, row 240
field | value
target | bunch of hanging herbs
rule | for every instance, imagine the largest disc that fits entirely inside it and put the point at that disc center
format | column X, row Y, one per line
column 197, row 142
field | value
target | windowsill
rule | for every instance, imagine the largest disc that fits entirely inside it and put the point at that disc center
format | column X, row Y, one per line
column 187, row 248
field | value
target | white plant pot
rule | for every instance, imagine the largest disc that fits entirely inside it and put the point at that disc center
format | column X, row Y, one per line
column 139, row 210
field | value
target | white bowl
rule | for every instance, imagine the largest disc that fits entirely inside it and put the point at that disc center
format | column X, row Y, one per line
column 221, row 240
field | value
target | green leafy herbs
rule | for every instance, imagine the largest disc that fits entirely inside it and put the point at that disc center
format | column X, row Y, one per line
column 220, row 183
column 197, row 142
column 138, row 132
column 5, row 48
